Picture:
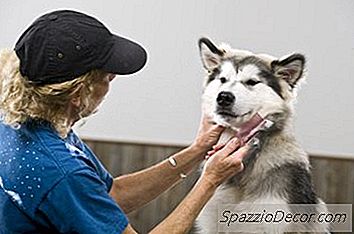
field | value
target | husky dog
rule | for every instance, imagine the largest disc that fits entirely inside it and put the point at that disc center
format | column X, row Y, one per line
column 240, row 84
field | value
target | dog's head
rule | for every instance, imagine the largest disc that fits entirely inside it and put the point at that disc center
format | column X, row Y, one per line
column 240, row 84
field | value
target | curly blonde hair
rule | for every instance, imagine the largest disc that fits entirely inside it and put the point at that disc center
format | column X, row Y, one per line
column 21, row 100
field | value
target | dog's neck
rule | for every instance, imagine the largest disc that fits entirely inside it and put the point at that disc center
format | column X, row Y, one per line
column 278, row 148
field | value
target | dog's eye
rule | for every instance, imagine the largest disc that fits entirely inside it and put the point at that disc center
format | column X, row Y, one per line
column 223, row 79
column 252, row 82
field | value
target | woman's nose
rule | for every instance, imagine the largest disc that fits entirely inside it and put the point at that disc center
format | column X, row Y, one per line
column 111, row 76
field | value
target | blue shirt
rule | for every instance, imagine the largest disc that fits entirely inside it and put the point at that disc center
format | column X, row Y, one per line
column 53, row 185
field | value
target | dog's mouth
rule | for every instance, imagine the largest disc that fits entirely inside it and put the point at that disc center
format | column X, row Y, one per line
column 230, row 114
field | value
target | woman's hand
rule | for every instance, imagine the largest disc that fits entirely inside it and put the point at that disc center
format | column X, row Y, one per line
column 224, row 163
column 208, row 135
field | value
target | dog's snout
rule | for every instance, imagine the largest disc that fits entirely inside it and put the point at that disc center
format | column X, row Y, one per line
column 225, row 99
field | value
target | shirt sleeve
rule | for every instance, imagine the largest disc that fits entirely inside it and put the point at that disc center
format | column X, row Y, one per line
column 101, row 170
column 79, row 203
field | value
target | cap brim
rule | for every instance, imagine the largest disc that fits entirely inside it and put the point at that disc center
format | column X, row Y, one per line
column 127, row 57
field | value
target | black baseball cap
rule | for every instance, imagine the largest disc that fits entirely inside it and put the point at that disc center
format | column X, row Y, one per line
column 63, row 45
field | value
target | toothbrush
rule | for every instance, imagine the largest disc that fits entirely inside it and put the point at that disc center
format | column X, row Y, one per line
column 248, row 131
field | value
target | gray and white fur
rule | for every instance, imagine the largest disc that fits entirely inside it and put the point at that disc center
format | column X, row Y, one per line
column 238, row 85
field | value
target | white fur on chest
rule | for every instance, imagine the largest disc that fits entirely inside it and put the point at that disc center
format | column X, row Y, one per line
column 280, row 150
column 208, row 218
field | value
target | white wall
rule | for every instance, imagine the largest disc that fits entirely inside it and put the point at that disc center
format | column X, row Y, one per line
column 162, row 103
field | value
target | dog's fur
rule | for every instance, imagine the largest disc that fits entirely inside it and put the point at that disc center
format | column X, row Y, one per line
column 280, row 174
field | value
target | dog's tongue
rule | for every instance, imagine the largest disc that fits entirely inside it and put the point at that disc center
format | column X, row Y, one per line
column 247, row 127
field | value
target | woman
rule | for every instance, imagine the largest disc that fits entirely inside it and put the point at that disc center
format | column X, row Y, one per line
column 51, row 182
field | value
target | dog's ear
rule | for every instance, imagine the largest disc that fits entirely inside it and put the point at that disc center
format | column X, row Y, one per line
column 289, row 68
column 209, row 53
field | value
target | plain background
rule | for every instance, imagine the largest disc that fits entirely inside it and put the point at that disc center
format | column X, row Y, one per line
column 161, row 104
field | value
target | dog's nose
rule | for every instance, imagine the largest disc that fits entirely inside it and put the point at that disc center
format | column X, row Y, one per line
column 225, row 99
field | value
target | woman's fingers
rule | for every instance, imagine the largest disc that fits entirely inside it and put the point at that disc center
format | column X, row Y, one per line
column 217, row 147
column 208, row 134
column 238, row 156
column 226, row 162
column 230, row 147
column 240, row 153
column 217, row 129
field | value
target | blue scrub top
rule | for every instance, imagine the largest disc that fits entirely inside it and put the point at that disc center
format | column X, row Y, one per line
column 53, row 185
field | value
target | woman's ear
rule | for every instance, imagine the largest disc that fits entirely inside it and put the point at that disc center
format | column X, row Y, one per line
column 76, row 101
column 289, row 68
column 76, row 97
